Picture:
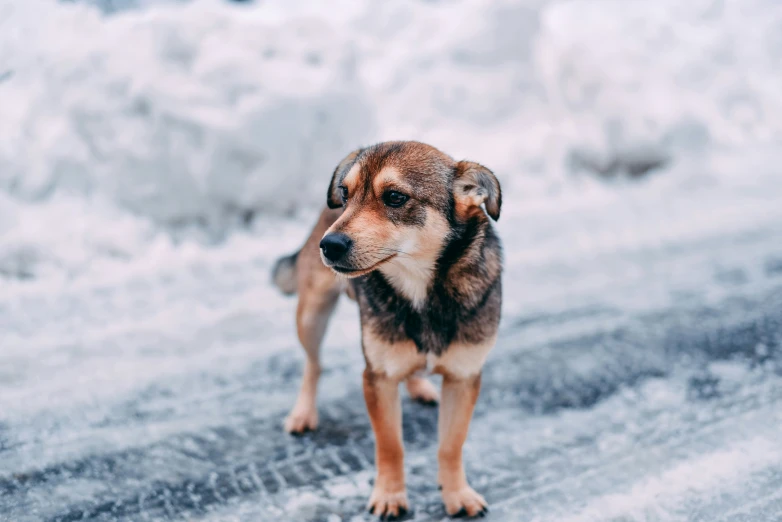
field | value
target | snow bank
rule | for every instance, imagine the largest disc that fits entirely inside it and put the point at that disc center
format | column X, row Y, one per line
column 683, row 77
column 208, row 113
column 180, row 114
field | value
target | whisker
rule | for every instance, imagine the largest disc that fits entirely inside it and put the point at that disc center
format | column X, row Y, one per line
column 386, row 250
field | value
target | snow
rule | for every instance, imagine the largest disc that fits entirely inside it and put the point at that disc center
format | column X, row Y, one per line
column 706, row 474
column 219, row 113
column 157, row 156
column 209, row 113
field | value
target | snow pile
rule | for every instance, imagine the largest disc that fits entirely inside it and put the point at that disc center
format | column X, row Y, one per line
column 682, row 77
column 182, row 114
column 206, row 114
column 67, row 237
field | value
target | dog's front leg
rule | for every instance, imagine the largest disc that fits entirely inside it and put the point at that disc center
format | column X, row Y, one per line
column 381, row 393
column 456, row 406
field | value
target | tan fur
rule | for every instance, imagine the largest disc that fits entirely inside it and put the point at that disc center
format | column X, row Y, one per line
column 318, row 291
column 399, row 362
column 385, row 413
column 411, row 272
column 389, row 177
column 474, row 186
column 456, row 407
column 461, row 361
column 422, row 390
column 369, row 232
column 393, row 361
column 410, row 268
column 351, row 178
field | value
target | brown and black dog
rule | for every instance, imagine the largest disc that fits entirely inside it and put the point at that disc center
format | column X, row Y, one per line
column 405, row 234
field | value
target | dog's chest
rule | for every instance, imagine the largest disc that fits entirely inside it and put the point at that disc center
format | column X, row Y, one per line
column 432, row 329
column 432, row 325
column 411, row 280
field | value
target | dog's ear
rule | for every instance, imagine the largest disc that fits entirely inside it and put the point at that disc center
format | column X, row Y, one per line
column 334, row 198
column 475, row 185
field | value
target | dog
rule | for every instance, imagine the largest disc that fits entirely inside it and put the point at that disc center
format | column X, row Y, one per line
column 406, row 233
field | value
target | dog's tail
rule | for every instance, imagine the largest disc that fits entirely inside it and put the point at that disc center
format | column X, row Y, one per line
column 284, row 274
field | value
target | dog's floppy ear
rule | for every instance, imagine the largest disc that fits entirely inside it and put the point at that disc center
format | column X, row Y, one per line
column 475, row 185
column 334, row 198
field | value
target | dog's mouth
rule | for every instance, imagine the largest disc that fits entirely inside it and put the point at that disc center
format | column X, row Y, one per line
column 357, row 272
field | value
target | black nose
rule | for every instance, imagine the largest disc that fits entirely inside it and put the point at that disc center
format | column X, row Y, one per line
column 335, row 246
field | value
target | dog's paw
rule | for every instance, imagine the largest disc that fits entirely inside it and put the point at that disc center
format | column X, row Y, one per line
column 422, row 390
column 301, row 420
column 464, row 502
column 388, row 505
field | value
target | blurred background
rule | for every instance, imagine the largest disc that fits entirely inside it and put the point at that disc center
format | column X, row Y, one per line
column 157, row 156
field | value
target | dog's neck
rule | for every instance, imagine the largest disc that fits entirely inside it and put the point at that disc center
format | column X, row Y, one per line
column 411, row 277
column 471, row 262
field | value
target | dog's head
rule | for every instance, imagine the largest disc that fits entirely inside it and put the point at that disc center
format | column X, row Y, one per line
column 401, row 201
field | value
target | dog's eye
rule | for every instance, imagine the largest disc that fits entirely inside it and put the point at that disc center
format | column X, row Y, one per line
column 344, row 192
column 394, row 199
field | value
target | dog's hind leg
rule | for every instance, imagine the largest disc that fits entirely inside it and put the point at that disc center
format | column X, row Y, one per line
column 319, row 290
column 422, row 390
column 312, row 318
